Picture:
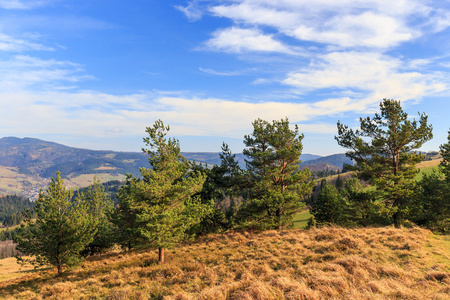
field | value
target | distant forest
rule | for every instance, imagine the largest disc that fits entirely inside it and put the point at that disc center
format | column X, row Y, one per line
column 10, row 209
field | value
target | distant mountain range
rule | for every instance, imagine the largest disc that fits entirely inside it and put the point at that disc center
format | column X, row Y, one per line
column 37, row 157
column 332, row 162
column 32, row 161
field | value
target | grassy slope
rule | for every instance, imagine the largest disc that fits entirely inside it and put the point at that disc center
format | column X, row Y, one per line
column 12, row 182
column 86, row 179
column 426, row 167
column 301, row 220
column 329, row 263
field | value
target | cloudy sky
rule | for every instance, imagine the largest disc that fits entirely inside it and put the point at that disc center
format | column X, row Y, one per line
column 95, row 74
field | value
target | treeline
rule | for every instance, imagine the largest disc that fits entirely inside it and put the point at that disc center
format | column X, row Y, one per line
column 175, row 199
column 11, row 207
column 8, row 233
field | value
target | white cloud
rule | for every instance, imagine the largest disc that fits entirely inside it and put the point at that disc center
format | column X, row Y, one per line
column 94, row 114
column 24, row 4
column 367, row 29
column 238, row 40
column 192, row 10
column 378, row 75
column 318, row 128
column 19, row 4
column 226, row 73
column 23, row 71
column 347, row 23
column 9, row 44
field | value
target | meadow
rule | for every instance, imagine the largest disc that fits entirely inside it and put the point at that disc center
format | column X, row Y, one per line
column 326, row 263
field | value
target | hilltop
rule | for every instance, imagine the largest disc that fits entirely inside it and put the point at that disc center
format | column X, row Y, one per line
column 328, row 263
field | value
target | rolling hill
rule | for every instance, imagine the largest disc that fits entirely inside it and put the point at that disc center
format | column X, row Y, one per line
column 27, row 164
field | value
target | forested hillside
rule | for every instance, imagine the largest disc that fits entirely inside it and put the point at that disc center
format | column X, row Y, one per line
column 10, row 209
column 42, row 158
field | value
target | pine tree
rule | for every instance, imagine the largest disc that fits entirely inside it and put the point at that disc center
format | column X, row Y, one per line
column 431, row 205
column 161, row 201
column 222, row 190
column 100, row 208
column 339, row 184
column 124, row 216
column 382, row 149
column 329, row 206
column 61, row 231
column 278, row 186
column 445, row 163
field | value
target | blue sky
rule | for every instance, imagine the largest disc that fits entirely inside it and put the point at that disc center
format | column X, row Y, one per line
column 95, row 74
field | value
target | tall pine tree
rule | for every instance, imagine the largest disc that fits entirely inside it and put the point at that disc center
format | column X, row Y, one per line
column 383, row 151
column 161, row 200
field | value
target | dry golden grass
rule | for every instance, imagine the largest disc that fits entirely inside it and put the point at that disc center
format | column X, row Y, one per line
column 9, row 269
column 429, row 163
column 87, row 179
column 107, row 167
column 328, row 263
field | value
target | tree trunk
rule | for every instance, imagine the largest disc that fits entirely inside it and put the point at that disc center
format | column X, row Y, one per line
column 278, row 215
column 161, row 255
column 397, row 219
column 59, row 269
column 397, row 216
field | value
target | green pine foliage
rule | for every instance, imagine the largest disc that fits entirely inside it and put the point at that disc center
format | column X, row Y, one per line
column 100, row 207
column 329, row 208
column 383, row 151
column 61, row 230
column 431, row 205
column 445, row 163
column 124, row 217
column 351, row 206
column 278, row 186
column 339, row 184
column 224, row 187
column 161, row 201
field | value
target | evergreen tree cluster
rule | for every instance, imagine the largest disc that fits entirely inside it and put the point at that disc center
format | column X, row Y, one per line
column 384, row 151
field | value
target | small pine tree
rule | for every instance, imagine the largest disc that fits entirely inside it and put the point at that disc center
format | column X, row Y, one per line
column 278, row 186
column 329, row 206
column 61, row 231
column 100, row 208
column 445, row 163
column 339, row 182
column 222, row 189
